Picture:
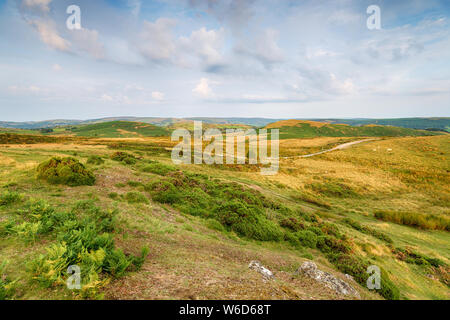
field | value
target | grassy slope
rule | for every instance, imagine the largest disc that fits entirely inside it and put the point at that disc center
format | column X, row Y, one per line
column 120, row 129
column 441, row 123
column 399, row 174
column 291, row 129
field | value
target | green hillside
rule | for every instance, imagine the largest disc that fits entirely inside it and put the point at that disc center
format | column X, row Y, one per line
column 291, row 129
column 119, row 129
column 435, row 123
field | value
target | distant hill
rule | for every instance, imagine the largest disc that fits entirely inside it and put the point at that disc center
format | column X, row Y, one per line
column 290, row 129
column 118, row 129
column 164, row 122
column 438, row 123
column 434, row 123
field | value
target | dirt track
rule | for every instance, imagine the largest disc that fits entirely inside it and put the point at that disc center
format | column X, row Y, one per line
column 339, row 147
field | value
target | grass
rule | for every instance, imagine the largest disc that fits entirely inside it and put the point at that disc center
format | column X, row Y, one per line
column 414, row 219
column 119, row 129
column 204, row 224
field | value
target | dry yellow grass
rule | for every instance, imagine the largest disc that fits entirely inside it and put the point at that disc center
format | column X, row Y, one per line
column 291, row 123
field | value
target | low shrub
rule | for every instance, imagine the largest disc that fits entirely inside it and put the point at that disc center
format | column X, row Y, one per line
column 9, row 197
column 292, row 223
column 357, row 268
column 84, row 238
column 307, row 238
column 410, row 256
column 95, row 160
column 67, row 171
column 134, row 184
column 113, row 195
column 248, row 221
column 159, row 168
column 124, row 157
column 214, row 225
column 135, row 197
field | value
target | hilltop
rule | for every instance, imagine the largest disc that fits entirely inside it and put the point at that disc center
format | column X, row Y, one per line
column 118, row 129
column 291, row 129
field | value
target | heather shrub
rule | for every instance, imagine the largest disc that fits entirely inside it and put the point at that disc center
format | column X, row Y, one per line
column 124, row 157
column 292, row 224
column 307, row 238
column 67, row 171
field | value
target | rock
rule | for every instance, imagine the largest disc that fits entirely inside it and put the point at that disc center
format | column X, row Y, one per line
column 349, row 277
column 309, row 268
column 266, row 273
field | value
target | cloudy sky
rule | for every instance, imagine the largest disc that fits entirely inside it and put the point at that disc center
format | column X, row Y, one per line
column 241, row 58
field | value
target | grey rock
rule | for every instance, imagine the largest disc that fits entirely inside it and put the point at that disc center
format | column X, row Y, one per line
column 310, row 269
column 257, row 266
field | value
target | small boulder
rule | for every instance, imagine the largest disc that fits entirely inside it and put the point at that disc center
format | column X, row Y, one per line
column 310, row 269
column 257, row 266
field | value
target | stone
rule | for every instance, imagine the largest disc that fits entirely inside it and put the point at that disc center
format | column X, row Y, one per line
column 310, row 269
column 257, row 266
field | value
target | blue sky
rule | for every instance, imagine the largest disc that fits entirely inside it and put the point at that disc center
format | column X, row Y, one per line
column 227, row 58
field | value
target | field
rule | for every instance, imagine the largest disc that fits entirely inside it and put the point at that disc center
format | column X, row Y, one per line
column 383, row 202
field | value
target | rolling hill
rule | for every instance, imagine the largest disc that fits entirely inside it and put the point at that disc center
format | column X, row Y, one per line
column 431, row 123
column 118, row 129
column 291, row 129
column 436, row 123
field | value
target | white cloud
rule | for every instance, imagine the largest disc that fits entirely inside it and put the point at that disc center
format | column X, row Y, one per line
column 106, row 97
column 26, row 90
column 88, row 41
column 41, row 5
column 56, row 67
column 263, row 47
column 157, row 41
column 159, row 96
column 49, row 35
column 203, row 89
column 206, row 45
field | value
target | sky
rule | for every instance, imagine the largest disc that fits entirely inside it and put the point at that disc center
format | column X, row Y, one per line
column 224, row 58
